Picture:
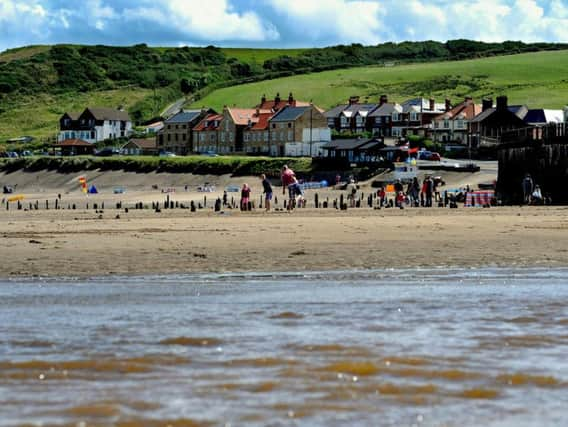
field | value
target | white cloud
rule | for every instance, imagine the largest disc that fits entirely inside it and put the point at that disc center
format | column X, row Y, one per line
column 216, row 20
column 345, row 21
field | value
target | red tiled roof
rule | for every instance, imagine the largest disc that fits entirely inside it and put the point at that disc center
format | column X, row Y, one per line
column 271, row 104
column 241, row 116
column 210, row 120
column 261, row 121
column 73, row 143
column 468, row 109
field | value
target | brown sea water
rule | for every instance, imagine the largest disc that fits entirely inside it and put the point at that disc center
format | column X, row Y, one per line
column 475, row 347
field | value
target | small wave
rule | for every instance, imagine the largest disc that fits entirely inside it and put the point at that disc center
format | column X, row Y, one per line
column 192, row 342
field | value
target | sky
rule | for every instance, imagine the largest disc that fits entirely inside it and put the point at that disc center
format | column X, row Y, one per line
column 277, row 23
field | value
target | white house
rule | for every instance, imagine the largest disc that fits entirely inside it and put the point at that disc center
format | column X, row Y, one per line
column 95, row 125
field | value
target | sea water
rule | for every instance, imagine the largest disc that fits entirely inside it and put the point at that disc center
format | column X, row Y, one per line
column 474, row 347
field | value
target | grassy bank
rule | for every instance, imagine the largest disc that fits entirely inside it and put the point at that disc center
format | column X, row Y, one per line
column 202, row 165
column 536, row 79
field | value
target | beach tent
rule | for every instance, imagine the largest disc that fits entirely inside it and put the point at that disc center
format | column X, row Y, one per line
column 93, row 190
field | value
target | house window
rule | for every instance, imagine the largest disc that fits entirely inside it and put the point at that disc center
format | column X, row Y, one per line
column 359, row 121
column 413, row 117
column 212, row 137
column 176, row 138
column 344, row 122
column 395, row 117
column 273, row 125
column 93, row 135
column 183, row 136
column 183, row 126
column 169, row 126
column 290, row 135
column 446, row 124
column 460, row 124
column 169, row 137
column 222, row 136
column 289, row 125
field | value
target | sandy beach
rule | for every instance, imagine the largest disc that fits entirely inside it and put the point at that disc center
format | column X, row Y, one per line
column 85, row 243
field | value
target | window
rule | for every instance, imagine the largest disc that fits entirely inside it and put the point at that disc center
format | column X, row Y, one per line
column 183, row 136
column 93, row 136
column 176, row 138
column 290, row 135
column 273, row 125
column 344, row 122
column 289, row 125
column 222, row 136
column 184, row 126
column 460, row 124
column 212, row 138
column 413, row 117
column 446, row 123
column 395, row 117
column 169, row 136
column 169, row 126
column 202, row 137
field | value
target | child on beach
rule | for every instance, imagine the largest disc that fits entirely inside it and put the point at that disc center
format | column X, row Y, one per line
column 245, row 197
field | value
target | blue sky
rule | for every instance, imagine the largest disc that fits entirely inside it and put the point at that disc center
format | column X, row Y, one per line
column 277, row 23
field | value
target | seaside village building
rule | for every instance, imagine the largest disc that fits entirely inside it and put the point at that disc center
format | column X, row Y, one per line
column 275, row 127
column 386, row 119
column 176, row 136
column 453, row 125
column 95, row 125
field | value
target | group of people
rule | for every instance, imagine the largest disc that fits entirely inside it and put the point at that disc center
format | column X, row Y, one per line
column 416, row 194
column 532, row 194
column 289, row 183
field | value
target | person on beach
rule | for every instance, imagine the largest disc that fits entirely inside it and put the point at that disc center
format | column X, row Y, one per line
column 352, row 192
column 225, row 198
column 288, row 178
column 382, row 195
column 413, row 191
column 428, row 188
column 245, row 197
column 536, row 197
column 528, row 188
column 267, row 188
column 295, row 195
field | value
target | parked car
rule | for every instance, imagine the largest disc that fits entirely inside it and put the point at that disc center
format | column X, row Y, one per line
column 107, row 152
column 167, row 154
column 429, row 155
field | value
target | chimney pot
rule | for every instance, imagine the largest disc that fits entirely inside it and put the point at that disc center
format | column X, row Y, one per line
column 487, row 104
column 384, row 100
column 432, row 104
column 502, row 102
column 448, row 104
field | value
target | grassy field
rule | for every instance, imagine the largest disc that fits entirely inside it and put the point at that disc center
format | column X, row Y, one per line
column 258, row 56
column 39, row 117
column 537, row 79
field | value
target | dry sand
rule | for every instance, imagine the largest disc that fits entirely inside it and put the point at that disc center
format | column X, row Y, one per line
column 83, row 242
column 79, row 243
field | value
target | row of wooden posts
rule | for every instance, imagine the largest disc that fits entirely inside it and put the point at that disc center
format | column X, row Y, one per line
column 337, row 203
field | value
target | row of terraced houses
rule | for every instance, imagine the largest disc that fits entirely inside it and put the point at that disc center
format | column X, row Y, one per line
column 467, row 123
column 275, row 127
column 288, row 127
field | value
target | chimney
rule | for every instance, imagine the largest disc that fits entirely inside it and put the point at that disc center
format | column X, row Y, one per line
column 448, row 104
column 468, row 99
column 486, row 104
column 432, row 104
column 258, row 112
column 384, row 100
column 263, row 99
column 502, row 102
column 290, row 99
column 353, row 100
column 277, row 99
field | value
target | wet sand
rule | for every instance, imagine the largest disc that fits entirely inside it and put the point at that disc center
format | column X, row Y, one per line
column 85, row 243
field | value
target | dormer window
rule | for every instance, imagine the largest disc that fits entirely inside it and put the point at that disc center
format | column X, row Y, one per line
column 395, row 117
column 413, row 117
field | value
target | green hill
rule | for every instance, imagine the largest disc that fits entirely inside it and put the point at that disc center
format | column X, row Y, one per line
column 537, row 79
column 39, row 83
